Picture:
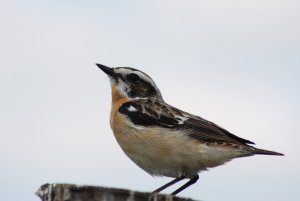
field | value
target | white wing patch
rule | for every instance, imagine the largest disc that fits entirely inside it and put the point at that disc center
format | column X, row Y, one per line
column 181, row 119
column 131, row 109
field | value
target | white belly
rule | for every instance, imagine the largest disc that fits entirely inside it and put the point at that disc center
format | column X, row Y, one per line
column 171, row 154
column 163, row 152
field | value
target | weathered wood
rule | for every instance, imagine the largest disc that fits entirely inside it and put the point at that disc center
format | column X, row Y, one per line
column 70, row 192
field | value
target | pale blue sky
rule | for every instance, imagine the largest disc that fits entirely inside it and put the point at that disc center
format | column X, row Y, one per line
column 236, row 63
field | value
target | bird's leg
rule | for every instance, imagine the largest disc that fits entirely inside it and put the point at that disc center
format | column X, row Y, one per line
column 190, row 182
column 169, row 184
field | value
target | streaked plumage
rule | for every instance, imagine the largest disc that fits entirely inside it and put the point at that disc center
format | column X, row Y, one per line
column 162, row 139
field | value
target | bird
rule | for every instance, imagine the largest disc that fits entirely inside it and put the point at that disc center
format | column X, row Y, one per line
column 164, row 140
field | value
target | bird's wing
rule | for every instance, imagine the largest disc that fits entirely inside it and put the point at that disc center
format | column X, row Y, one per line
column 153, row 113
column 204, row 130
column 147, row 112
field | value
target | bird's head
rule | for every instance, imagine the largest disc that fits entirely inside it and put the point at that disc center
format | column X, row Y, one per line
column 131, row 82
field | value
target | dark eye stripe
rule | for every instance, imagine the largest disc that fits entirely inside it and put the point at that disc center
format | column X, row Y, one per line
column 133, row 77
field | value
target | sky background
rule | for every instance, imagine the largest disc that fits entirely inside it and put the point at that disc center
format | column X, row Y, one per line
column 236, row 63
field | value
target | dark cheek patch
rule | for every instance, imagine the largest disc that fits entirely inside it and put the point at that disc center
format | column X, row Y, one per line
column 142, row 89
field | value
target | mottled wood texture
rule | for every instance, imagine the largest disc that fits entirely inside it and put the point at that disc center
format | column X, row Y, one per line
column 70, row 192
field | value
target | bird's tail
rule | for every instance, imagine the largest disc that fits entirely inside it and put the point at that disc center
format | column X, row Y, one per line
column 266, row 152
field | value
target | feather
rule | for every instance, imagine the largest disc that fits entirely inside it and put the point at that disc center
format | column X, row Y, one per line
column 156, row 113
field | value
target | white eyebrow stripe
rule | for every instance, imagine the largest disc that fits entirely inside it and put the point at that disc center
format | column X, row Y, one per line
column 127, row 71
column 144, row 77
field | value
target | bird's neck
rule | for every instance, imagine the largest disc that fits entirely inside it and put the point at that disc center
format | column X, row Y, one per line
column 117, row 95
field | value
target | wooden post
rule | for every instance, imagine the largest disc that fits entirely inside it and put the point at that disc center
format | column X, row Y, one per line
column 70, row 192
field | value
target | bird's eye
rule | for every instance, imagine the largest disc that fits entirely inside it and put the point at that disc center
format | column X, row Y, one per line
column 133, row 77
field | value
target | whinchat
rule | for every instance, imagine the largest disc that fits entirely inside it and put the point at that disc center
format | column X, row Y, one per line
column 164, row 140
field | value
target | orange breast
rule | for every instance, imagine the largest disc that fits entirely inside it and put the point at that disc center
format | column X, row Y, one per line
column 117, row 121
column 158, row 151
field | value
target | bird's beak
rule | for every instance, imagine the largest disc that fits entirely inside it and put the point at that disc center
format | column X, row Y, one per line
column 109, row 71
